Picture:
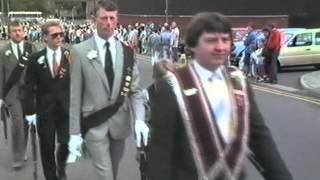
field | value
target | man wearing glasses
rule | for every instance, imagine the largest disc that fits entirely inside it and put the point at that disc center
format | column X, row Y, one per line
column 47, row 86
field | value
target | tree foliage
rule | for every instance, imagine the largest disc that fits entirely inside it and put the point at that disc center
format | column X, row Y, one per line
column 31, row 5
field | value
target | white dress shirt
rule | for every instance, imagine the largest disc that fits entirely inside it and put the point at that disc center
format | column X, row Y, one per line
column 216, row 89
column 14, row 48
column 102, row 49
column 50, row 57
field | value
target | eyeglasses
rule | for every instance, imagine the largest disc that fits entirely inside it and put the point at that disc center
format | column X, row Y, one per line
column 55, row 35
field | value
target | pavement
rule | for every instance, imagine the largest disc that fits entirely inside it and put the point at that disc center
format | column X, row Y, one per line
column 311, row 81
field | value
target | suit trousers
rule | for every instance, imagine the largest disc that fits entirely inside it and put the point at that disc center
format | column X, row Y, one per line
column 55, row 125
column 104, row 152
column 19, row 130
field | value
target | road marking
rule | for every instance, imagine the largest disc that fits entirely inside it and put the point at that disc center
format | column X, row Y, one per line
column 287, row 94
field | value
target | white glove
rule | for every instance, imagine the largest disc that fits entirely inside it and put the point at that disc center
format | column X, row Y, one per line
column 75, row 144
column 32, row 119
column 1, row 103
column 141, row 131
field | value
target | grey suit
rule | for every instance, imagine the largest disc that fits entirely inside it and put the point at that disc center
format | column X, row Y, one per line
column 90, row 92
column 19, row 131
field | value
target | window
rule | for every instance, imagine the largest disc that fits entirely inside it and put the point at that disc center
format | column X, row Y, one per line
column 317, row 39
column 301, row 40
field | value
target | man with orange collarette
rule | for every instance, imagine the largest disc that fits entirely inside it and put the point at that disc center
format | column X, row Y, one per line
column 48, row 88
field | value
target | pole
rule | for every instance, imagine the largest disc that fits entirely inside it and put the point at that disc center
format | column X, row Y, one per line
column 72, row 14
column 33, row 133
column 166, row 11
column 2, row 11
column 2, row 6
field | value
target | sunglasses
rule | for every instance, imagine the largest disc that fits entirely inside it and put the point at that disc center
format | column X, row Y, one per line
column 55, row 35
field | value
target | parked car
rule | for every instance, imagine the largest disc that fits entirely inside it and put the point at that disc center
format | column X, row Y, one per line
column 302, row 48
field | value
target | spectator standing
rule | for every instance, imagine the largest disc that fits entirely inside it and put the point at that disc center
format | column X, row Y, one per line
column 273, row 46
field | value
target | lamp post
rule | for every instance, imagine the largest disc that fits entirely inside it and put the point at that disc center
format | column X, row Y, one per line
column 72, row 13
column 166, row 11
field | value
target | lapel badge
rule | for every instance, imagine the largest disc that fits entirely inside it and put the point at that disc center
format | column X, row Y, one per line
column 190, row 92
column 124, row 94
column 128, row 78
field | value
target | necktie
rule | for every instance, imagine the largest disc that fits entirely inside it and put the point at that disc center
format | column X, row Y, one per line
column 19, row 51
column 54, row 65
column 108, row 67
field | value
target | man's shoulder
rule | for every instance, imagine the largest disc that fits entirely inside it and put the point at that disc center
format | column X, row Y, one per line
column 5, row 47
column 39, row 53
column 83, row 46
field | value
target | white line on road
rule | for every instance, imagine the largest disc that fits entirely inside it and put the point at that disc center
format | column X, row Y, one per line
column 288, row 94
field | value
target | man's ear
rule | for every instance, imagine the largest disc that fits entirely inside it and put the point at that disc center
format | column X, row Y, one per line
column 45, row 38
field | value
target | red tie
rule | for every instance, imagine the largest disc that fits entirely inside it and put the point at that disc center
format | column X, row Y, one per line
column 54, row 65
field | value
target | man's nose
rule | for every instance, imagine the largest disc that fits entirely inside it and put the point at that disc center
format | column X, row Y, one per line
column 220, row 45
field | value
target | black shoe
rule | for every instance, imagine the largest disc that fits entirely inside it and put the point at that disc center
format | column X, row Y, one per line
column 17, row 165
column 62, row 174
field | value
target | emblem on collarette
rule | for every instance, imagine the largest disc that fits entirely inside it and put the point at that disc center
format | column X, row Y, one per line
column 239, row 97
column 190, row 92
column 126, row 88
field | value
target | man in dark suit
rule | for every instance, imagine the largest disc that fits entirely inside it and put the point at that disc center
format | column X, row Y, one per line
column 13, row 56
column 48, row 88
column 204, row 118
column 105, row 93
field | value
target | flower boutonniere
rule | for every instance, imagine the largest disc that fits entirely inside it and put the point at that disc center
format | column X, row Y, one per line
column 92, row 55
column 7, row 53
column 41, row 61
column 66, row 54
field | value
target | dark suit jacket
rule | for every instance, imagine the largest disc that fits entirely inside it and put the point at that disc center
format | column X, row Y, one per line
column 45, row 92
column 170, row 157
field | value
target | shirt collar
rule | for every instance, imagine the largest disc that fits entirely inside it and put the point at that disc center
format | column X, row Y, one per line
column 51, row 51
column 205, row 74
column 101, row 42
column 13, row 44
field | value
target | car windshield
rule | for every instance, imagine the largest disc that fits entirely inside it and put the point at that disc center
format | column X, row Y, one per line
column 286, row 37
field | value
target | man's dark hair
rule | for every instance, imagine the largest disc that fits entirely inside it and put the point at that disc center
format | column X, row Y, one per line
column 107, row 5
column 14, row 23
column 206, row 22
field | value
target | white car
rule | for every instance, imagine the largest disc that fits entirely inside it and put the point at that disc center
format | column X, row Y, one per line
column 301, row 48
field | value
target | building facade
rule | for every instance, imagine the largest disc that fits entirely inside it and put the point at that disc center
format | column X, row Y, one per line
column 302, row 13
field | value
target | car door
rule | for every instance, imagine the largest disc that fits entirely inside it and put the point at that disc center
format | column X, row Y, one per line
column 316, row 48
column 297, row 51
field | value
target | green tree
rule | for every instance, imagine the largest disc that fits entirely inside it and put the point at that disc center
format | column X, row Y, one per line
column 45, row 6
